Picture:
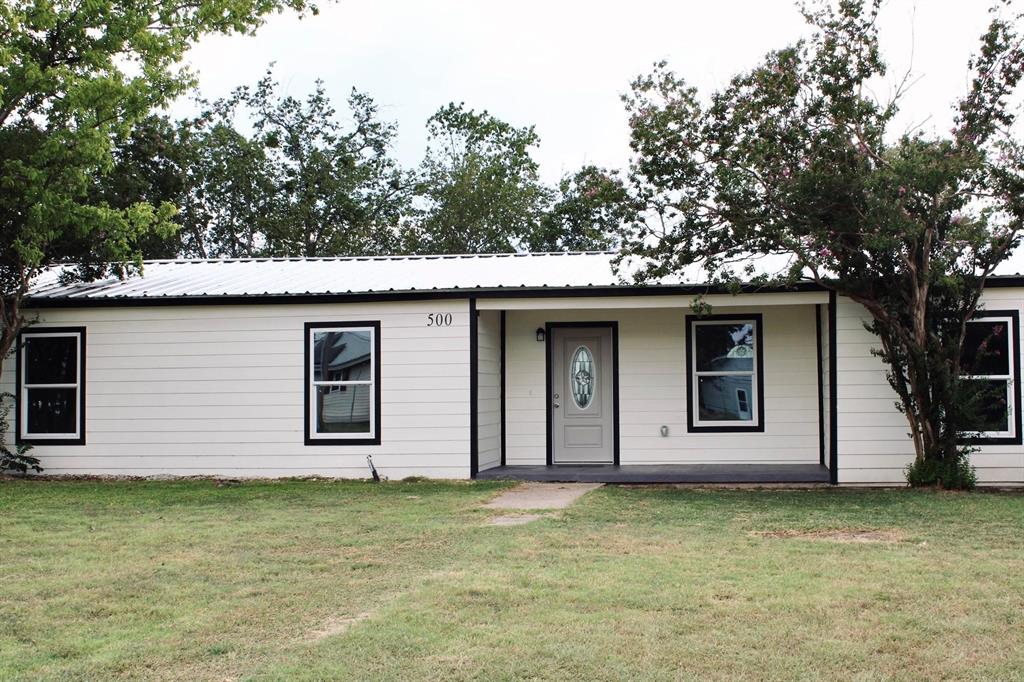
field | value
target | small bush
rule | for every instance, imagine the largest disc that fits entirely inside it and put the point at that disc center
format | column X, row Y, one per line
column 955, row 475
column 16, row 459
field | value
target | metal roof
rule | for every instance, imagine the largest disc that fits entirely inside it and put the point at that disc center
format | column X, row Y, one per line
column 311, row 277
column 355, row 275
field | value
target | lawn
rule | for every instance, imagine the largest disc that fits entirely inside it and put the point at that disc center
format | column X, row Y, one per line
column 335, row 580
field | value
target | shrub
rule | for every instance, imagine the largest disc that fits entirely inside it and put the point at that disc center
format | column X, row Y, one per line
column 13, row 457
column 951, row 475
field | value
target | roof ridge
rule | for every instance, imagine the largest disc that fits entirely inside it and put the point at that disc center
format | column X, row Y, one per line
column 394, row 257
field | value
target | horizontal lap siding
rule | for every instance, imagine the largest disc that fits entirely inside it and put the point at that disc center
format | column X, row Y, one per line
column 489, row 389
column 873, row 441
column 219, row 390
column 652, row 389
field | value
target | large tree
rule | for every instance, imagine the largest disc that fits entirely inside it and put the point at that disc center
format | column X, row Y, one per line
column 75, row 77
column 590, row 206
column 796, row 157
column 479, row 187
column 337, row 190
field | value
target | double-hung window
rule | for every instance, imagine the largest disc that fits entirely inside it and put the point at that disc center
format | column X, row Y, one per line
column 51, row 386
column 989, row 364
column 725, row 373
column 343, row 383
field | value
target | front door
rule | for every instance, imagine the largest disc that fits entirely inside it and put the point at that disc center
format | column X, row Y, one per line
column 582, row 396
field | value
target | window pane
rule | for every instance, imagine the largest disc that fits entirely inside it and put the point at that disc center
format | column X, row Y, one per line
column 724, row 347
column 581, row 377
column 342, row 356
column 728, row 398
column 993, row 410
column 343, row 411
column 986, row 348
column 52, row 410
column 51, row 360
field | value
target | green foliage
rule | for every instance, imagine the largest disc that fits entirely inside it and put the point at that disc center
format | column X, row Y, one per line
column 74, row 80
column 955, row 474
column 479, row 189
column 13, row 457
column 301, row 183
column 591, row 206
column 793, row 164
column 335, row 189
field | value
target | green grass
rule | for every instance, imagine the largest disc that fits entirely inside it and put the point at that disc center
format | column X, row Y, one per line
column 332, row 580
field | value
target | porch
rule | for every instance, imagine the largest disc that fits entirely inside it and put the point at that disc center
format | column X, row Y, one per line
column 662, row 473
column 640, row 390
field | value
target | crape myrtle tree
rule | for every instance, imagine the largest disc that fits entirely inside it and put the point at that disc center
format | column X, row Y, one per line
column 74, row 79
column 796, row 161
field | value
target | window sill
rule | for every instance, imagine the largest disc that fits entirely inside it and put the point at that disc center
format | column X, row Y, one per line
column 343, row 441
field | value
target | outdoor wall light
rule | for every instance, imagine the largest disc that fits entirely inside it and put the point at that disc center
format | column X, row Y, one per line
column 540, row 335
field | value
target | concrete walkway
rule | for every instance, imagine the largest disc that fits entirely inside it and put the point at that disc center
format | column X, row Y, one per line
column 534, row 495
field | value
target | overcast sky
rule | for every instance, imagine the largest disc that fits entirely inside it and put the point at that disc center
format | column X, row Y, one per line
column 561, row 65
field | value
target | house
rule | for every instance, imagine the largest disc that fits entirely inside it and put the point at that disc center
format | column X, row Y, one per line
column 526, row 365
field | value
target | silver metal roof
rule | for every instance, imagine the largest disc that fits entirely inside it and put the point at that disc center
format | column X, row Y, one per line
column 312, row 276
column 162, row 279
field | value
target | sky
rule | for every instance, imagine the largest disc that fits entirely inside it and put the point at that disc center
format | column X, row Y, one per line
column 562, row 65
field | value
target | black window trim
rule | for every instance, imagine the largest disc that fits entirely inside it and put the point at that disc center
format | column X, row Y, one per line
column 39, row 439
column 307, row 387
column 1014, row 389
column 691, row 425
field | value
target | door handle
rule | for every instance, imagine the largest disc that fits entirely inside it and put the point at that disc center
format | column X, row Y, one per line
column 556, row 406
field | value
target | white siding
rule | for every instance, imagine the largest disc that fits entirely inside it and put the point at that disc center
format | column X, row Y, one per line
column 652, row 389
column 489, row 389
column 219, row 390
column 873, row 441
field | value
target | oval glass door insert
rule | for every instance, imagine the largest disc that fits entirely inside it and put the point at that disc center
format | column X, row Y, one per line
column 582, row 378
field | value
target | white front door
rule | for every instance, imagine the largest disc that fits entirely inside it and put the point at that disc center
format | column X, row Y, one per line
column 582, row 396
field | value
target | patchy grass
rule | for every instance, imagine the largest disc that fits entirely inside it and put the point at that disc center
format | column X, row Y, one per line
column 327, row 580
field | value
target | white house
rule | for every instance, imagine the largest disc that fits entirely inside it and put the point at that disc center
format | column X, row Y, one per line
column 529, row 366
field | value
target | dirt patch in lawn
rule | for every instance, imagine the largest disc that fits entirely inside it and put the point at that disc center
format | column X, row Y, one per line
column 510, row 520
column 335, row 626
column 845, row 535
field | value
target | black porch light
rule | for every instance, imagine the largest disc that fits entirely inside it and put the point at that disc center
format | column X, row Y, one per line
column 540, row 334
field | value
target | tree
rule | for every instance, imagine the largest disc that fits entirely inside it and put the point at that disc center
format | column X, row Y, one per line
column 590, row 207
column 479, row 188
column 150, row 167
column 230, row 200
column 74, row 79
column 336, row 189
column 794, row 157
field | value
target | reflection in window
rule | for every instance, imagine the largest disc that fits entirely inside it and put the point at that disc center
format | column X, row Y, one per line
column 724, row 368
column 51, row 385
column 342, row 387
column 987, row 363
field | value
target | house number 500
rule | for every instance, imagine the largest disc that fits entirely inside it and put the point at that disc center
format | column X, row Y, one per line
column 439, row 320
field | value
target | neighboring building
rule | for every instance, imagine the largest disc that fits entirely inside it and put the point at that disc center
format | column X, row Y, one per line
column 465, row 366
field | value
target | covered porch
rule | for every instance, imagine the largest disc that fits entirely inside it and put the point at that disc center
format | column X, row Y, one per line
column 657, row 394
column 662, row 473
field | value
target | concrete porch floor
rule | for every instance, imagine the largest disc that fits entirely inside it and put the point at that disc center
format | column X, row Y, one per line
column 662, row 473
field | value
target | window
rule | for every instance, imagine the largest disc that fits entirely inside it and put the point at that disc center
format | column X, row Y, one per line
column 51, row 391
column 989, row 363
column 724, row 366
column 343, row 383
